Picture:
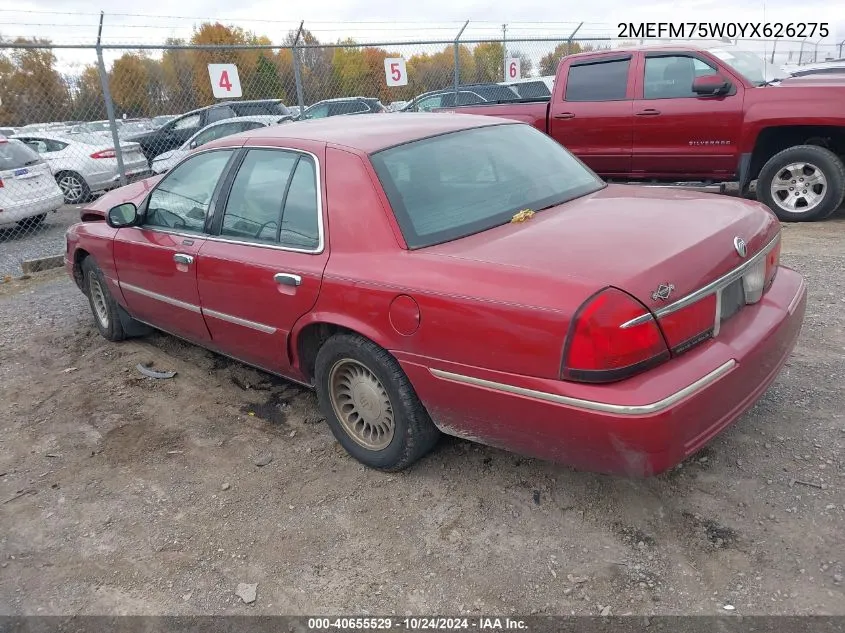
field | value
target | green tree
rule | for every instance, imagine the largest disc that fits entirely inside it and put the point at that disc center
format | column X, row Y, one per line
column 88, row 102
column 177, row 68
column 489, row 57
column 130, row 85
column 33, row 90
column 550, row 61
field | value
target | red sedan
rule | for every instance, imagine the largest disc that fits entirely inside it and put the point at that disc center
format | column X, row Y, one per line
column 431, row 273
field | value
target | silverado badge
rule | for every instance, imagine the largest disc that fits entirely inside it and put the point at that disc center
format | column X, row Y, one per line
column 663, row 291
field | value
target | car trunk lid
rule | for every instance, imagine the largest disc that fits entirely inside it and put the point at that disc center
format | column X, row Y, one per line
column 658, row 245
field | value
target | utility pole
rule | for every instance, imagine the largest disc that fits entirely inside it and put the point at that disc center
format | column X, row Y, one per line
column 504, row 52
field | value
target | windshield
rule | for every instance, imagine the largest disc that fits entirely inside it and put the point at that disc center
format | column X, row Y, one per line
column 453, row 185
column 750, row 65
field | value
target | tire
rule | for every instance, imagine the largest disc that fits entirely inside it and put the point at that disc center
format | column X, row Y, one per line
column 34, row 222
column 384, row 393
column 74, row 187
column 106, row 312
column 821, row 167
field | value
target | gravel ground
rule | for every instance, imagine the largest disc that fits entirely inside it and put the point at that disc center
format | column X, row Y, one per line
column 20, row 244
column 125, row 495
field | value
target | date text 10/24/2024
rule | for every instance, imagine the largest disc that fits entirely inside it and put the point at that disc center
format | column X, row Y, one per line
column 720, row 30
column 416, row 624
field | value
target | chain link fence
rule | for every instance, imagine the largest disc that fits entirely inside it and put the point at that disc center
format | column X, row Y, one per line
column 67, row 137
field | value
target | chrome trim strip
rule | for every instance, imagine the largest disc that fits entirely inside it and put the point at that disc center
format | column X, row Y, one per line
column 604, row 407
column 797, row 298
column 718, row 284
column 239, row 321
column 154, row 295
column 216, row 238
column 722, row 282
column 643, row 318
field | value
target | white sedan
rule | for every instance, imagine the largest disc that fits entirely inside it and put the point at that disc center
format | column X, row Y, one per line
column 28, row 191
column 84, row 164
column 218, row 129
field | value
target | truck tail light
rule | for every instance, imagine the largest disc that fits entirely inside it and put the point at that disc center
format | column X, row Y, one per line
column 106, row 153
column 690, row 325
column 599, row 349
column 1, row 183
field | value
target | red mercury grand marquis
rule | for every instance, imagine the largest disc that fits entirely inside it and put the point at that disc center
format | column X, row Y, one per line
column 431, row 273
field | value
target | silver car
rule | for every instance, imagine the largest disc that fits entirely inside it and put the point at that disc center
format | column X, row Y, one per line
column 225, row 127
column 84, row 164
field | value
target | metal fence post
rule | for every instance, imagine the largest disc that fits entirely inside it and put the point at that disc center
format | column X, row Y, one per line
column 104, row 82
column 569, row 40
column 300, row 99
column 458, row 60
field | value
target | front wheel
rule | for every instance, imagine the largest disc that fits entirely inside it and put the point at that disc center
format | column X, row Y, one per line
column 802, row 183
column 103, row 306
column 370, row 405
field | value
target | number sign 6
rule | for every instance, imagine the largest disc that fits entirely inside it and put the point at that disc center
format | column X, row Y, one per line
column 513, row 69
column 395, row 73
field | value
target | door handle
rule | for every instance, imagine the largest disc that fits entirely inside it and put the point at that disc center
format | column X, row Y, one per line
column 181, row 258
column 648, row 112
column 565, row 115
column 287, row 279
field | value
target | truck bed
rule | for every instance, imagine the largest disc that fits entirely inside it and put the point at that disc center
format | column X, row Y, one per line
column 534, row 111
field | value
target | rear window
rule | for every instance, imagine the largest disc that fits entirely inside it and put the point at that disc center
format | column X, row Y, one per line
column 453, row 185
column 14, row 155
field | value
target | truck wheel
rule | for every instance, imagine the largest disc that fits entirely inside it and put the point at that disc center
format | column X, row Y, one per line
column 370, row 405
column 802, row 183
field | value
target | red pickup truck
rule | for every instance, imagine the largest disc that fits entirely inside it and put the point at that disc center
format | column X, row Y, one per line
column 682, row 113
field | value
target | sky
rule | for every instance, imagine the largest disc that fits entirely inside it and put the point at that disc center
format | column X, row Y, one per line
column 151, row 21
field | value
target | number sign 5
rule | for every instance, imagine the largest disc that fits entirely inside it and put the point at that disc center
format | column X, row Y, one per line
column 395, row 72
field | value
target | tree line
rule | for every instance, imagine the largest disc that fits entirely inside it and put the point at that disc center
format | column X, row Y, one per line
column 143, row 84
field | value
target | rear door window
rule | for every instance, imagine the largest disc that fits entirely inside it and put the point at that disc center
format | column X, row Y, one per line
column 599, row 81
column 274, row 200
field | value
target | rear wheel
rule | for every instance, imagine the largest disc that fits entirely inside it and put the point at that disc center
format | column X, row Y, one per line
column 802, row 183
column 370, row 405
column 74, row 187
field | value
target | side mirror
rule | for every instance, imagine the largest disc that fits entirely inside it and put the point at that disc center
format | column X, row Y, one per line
column 193, row 145
column 709, row 85
column 122, row 215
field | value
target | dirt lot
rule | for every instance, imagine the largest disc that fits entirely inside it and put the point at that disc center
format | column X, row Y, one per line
column 122, row 494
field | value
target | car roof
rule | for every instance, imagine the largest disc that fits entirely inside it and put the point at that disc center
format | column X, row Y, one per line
column 259, row 118
column 372, row 133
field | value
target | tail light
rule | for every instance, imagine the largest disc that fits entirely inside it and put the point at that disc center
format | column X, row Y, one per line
column 1, row 183
column 602, row 345
column 760, row 276
column 106, row 153
column 690, row 325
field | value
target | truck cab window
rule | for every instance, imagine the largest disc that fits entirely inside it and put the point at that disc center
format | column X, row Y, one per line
column 599, row 81
column 671, row 76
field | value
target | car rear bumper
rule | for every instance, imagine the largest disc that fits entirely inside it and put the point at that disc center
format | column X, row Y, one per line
column 105, row 180
column 30, row 208
column 638, row 427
